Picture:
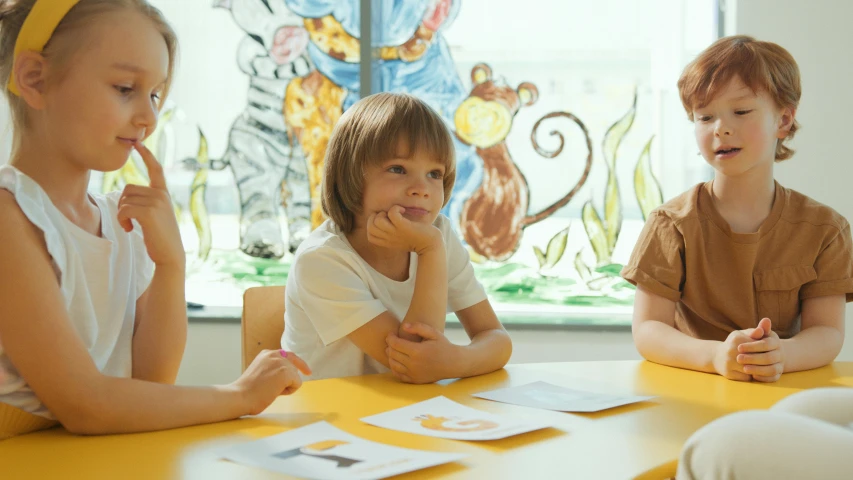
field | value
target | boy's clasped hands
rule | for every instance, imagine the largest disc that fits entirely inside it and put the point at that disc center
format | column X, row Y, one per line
column 751, row 354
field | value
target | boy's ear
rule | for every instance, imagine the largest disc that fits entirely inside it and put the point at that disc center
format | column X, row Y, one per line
column 30, row 71
column 786, row 122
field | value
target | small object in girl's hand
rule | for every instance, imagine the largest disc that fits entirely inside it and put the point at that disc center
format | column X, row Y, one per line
column 283, row 353
column 194, row 306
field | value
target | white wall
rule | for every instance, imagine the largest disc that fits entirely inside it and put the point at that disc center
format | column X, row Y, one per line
column 818, row 35
column 213, row 349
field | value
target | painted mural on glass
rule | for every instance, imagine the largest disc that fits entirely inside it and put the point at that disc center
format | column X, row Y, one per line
column 302, row 61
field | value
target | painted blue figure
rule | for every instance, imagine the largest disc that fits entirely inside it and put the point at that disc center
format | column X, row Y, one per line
column 413, row 58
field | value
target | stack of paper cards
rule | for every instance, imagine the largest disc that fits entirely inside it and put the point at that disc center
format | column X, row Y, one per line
column 321, row 451
column 444, row 418
column 554, row 397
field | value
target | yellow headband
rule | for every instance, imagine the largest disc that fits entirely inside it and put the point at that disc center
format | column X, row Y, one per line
column 38, row 28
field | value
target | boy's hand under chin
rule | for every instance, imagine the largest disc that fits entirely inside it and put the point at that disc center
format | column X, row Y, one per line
column 392, row 230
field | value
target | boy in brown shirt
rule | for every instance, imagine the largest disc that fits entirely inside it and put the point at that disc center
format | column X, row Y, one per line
column 742, row 276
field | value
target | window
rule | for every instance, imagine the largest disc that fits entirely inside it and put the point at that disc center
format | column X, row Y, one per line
column 260, row 84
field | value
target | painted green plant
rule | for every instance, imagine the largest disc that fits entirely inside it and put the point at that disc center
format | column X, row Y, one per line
column 198, row 209
column 646, row 185
column 582, row 268
column 516, row 283
column 554, row 251
column 603, row 234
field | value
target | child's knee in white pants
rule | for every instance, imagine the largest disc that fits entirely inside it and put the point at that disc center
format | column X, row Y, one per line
column 833, row 404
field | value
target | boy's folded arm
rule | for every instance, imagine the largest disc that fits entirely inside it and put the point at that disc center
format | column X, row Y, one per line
column 657, row 339
column 821, row 337
column 490, row 347
column 429, row 300
column 489, row 350
column 371, row 337
column 428, row 306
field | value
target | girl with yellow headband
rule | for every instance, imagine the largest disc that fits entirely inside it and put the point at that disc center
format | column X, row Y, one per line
column 92, row 311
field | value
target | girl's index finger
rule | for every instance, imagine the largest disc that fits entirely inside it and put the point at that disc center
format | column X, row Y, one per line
column 299, row 363
column 156, row 177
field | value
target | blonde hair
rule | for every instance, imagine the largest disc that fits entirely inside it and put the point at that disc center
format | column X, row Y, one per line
column 66, row 40
column 762, row 66
column 368, row 134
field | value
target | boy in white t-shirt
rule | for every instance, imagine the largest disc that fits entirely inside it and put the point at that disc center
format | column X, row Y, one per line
column 370, row 288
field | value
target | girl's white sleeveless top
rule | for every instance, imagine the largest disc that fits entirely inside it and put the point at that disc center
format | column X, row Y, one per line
column 100, row 279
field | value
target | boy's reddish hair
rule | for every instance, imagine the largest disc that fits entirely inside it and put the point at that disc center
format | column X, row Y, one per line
column 762, row 66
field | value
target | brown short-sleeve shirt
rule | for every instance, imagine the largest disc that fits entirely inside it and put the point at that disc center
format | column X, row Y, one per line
column 723, row 281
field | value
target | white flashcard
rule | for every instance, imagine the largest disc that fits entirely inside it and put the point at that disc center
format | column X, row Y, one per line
column 322, row 452
column 554, row 397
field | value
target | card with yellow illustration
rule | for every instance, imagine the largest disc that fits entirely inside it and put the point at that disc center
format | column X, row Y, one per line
column 444, row 418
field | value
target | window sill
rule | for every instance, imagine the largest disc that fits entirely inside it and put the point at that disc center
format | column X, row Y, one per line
column 513, row 318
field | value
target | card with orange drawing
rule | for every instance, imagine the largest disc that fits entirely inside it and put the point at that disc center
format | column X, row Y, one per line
column 323, row 452
column 444, row 418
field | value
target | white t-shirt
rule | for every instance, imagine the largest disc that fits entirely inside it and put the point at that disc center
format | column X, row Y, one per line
column 100, row 280
column 331, row 292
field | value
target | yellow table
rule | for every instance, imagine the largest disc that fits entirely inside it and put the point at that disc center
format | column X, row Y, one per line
column 618, row 443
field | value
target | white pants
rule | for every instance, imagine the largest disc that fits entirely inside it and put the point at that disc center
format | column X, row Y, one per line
column 808, row 435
